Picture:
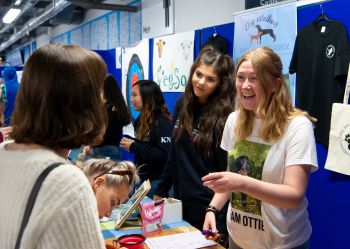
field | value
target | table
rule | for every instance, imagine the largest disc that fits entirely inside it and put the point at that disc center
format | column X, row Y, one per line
column 109, row 233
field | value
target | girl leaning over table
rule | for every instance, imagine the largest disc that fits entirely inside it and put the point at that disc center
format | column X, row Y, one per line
column 110, row 181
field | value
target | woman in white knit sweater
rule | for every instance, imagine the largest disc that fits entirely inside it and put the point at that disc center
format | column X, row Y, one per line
column 58, row 107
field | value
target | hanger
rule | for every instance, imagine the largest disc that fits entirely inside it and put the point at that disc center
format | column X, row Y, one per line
column 323, row 17
column 215, row 33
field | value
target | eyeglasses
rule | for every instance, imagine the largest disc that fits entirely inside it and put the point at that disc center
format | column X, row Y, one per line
column 128, row 173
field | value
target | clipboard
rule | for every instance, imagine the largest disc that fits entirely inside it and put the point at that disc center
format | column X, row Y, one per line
column 132, row 203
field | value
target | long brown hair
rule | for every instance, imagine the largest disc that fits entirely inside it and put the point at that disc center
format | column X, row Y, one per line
column 59, row 103
column 218, row 106
column 113, row 96
column 153, row 104
column 275, row 109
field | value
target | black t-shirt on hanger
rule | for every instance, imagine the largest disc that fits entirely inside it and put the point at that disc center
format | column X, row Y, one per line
column 321, row 60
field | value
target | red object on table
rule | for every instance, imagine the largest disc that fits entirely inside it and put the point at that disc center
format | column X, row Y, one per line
column 131, row 241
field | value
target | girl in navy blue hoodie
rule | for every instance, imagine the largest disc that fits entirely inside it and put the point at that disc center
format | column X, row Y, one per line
column 152, row 129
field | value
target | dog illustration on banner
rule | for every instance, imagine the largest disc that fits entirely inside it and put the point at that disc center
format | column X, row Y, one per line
column 347, row 139
column 265, row 31
column 186, row 48
column 160, row 44
column 255, row 37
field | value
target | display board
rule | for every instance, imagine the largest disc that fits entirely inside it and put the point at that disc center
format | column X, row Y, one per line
column 135, row 66
column 258, row 3
column 135, row 28
column 124, row 31
column 76, row 37
column 86, row 36
column 273, row 27
column 99, row 31
column 172, row 60
column 114, row 29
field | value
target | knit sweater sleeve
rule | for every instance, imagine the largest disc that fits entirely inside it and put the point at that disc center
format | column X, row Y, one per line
column 66, row 213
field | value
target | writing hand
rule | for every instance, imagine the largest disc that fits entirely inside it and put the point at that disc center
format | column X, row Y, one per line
column 157, row 197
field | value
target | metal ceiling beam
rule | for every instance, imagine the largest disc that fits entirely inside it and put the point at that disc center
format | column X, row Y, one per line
column 26, row 6
column 103, row 6
column 56, row 7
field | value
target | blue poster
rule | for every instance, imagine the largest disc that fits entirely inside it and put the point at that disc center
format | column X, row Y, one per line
column 274, row 27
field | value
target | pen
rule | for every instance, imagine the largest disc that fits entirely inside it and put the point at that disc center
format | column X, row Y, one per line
column 207, row 232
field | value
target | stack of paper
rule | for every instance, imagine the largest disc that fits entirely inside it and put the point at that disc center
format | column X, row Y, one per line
column 190, row 240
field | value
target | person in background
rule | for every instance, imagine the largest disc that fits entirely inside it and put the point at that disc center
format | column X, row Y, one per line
column 152, row 129
column 5, row 132
column 199, row 119
column 58, row 107
column 118, row 117
column 272, row 151
column 110, row 181
column 2, row 104
column 9, row 92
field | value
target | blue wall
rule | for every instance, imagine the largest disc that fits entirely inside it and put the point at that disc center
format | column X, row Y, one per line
column 328, row 192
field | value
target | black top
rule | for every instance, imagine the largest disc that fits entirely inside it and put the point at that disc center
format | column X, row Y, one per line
column 153, row 151
column 321, row 61
column 218, row 42
column 114, row 128
column 185, row 167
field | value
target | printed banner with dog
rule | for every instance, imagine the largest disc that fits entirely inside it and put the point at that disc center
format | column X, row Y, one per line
column 274, row 27
column 172, row 60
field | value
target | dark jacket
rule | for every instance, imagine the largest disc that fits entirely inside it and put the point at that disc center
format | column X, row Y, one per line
column 114, row 128
column 185, row 167
column 11, row 85
column 152, row 153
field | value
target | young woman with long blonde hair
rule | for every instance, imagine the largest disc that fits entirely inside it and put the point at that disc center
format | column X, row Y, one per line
column 272, row 151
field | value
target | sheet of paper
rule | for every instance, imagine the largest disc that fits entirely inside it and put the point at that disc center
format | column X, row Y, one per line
column 129, row 130
column 188, row 240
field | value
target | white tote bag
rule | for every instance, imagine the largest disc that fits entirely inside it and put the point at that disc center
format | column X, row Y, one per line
column 338, row 158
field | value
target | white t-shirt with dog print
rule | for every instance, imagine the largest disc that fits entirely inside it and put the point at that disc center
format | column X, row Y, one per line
column 255, row 224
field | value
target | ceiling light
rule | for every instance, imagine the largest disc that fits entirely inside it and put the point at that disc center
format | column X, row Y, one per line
column 11, row 15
